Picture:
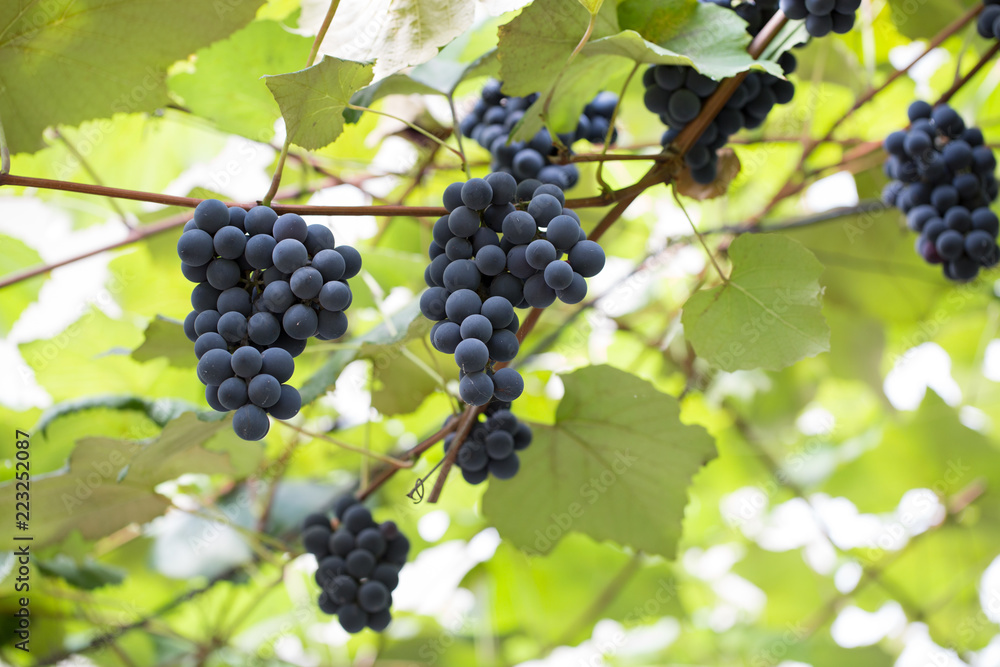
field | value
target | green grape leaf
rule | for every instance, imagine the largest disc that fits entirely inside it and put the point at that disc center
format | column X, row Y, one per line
column 313, row 100
column 109, row 483
column 235, row 66
column 616, row 465
column 165, row 339
column 767, row 315
column 160, row 411
column 592, row 6
column 102, row 57
column 15, row 257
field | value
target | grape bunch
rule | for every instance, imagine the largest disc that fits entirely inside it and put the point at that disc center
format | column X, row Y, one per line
column 944, row 180
column 988, row 24
column 677, row 94
column 359, row 564
column 492, row 445
column 490, row 256
column 823, row 16
column 494, row 117
column 265, row 284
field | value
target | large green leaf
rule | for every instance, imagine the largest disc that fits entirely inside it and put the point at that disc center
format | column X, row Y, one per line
column 767, row 314
column 67, row 61
column 616, row 465
column 16, row 298
column 235, row 66
column 109, row 483
column 313, row 100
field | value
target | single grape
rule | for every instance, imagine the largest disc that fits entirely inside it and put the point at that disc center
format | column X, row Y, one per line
column 505, row 468
column 211, row 215
column 537, row 293
column 250, row 423
column 278, row 363
column 371, row 539
column 575, row 293
column 300, row 321
column 498, row 311
column 335, row 296
column 503, row 345
column 306, row 282
column 229, row 242
column 445, row 337
column 462, row 304
column 233, row 393
column 208, row 341
column 232, row 326
column 587, row 258
column 215, row 367
column 234, row 300
column 264, row 390
column 352, row 260
column 331, row 325
column 195, row 247
column 478, row 327
column 462, row 275
column 508, row 384
column 223, row 274
column 539, row 254
column 558, row 275
column 290, row 226
column 278, row 297
column 472, row 355
column 288, row 404
column 476, row 388
column 289, row 255
column 318, row 239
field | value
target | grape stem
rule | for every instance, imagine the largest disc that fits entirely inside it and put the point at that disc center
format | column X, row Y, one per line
column 415, row 128
column 611, row 131
column 464, row 428
column 386, row 474
column 346, row 446
column 960, row 83
column 701, row 240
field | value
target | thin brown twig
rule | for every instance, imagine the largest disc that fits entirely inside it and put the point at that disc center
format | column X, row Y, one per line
column 347, row 446
column 958, row 85
column 384, row 476
column 465, row 427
